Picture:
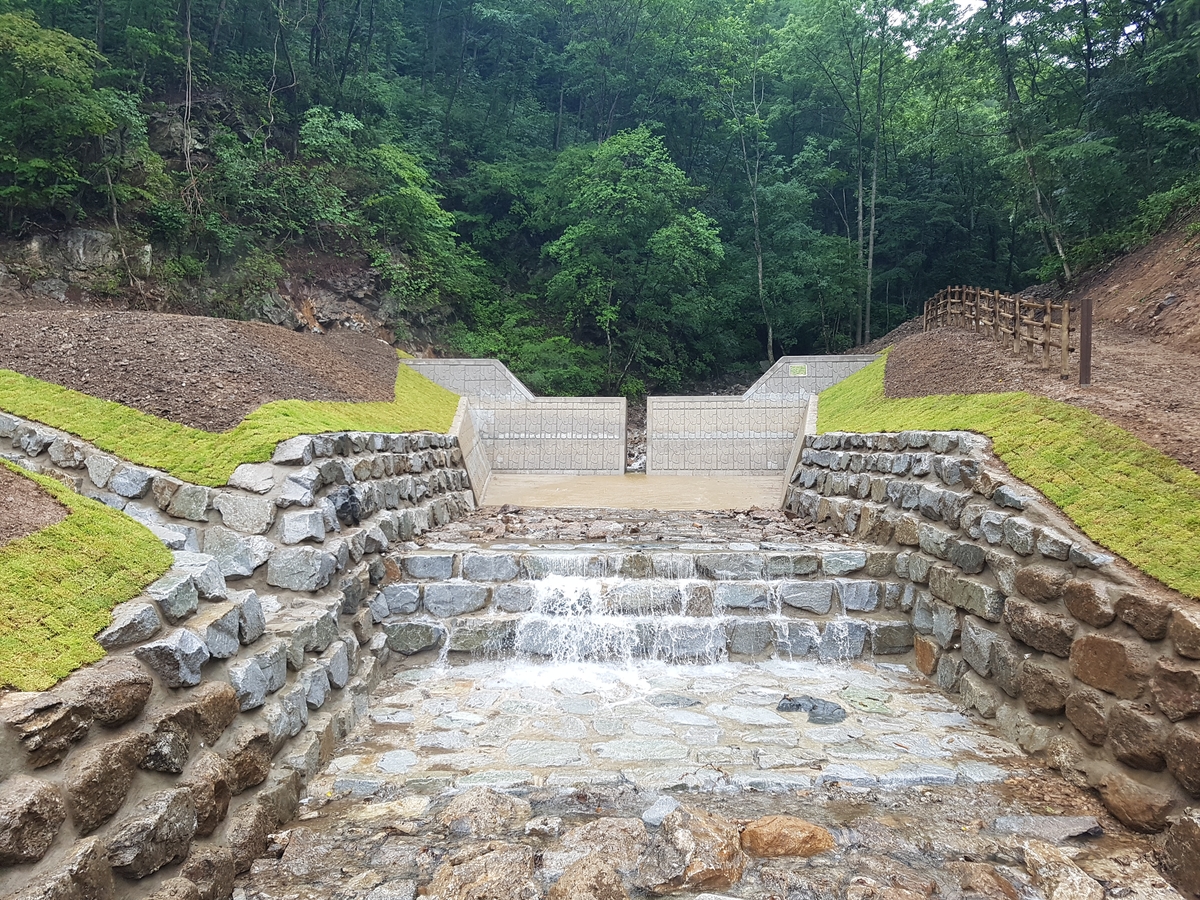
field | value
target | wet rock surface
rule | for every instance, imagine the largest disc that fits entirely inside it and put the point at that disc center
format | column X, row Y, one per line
column 511, row 779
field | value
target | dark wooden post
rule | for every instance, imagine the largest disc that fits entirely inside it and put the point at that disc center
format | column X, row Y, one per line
column 1085, row 343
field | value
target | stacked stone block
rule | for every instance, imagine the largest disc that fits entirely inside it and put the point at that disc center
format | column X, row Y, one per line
column 677, row 604
column 230, row 679
column 1071, row 651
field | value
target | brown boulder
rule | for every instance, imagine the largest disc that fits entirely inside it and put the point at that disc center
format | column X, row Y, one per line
column 1136, row 737
column 208, row 780
column 1185, row 631
column 1182, row 753
column 926, row 653
column 247, row 832
column 1057, row 876
column 983, row 879
column 1136, row 805
column 31, row 812
column 1117, row 666
column 590, row 878
column 484, row 812
column 619, row 841
column 216, row 706
column 97, row 780
column 1042, row 584
column 1048, row 632
column 159, row 831
column 1148, row 616
column 86, row 875
column 47, row 725
column 115, row 690
column 1087, row 710
column 1181, row 852
column 785, row 836
column 1044, row 687
column 211, row 870
column 1176, row 688
column 1089, row 603
column 692, row 851
column 176, row 889
column 487, row 871
column 248, row 757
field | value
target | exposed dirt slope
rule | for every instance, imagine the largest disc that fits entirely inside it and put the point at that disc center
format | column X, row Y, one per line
column 206, row 373
column 1145, row 357
column 1154, row 291
column 25, row 507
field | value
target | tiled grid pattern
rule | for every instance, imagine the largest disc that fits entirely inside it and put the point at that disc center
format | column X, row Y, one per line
column 570, row 435
column 485, row 379
column 823, row 371
column 703, row 435
column 506, row 429
column 475, row 454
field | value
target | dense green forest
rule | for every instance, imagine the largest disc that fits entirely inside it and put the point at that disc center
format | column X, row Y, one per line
column 610, row 195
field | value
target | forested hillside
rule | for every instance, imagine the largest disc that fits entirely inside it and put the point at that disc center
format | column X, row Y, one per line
column 609, row 195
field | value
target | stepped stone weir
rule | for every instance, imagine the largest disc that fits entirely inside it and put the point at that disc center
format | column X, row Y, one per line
column 355, row 683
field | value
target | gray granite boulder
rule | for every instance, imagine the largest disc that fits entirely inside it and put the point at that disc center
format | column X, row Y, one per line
column 455, row 598
column 301, row 568
column 176, row 659
column 130, row 482
column 176, row 595
column 249, row 515
column 132, row 623
column 205, row 572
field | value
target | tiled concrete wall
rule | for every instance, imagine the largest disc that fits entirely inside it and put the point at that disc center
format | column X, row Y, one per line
column 752, row 433
column 795, row 375
column 503, row 427
column 476, row 458
column 709, row 435
column 562, row 435
column 483, row 379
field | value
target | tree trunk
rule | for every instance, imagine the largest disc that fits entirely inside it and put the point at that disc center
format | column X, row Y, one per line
column 216, row 32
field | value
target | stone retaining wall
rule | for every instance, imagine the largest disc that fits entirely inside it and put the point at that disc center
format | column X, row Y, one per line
column 1071, row 651
column 230, row 680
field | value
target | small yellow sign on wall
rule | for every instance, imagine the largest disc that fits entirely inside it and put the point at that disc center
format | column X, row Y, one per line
column 798, row 370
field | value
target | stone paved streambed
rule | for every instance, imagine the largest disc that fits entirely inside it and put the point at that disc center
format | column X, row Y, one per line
column 918, row 798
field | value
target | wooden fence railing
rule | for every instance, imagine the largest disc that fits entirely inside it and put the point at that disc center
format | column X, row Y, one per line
column 1014, row 322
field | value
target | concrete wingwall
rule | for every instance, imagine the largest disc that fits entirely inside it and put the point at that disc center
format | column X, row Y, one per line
column 479, row 379
column 792, row 375
column 503, row 427
column 752, row 434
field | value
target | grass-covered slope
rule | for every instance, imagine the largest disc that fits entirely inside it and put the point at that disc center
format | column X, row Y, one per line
column 209, row 459
column 59, row 585
column 1124, row 494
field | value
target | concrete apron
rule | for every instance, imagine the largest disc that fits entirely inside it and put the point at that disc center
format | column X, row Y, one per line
column 634, row 491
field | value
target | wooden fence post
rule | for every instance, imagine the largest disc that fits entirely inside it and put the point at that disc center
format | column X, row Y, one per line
column 1065, row 338
column 1046, row 317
